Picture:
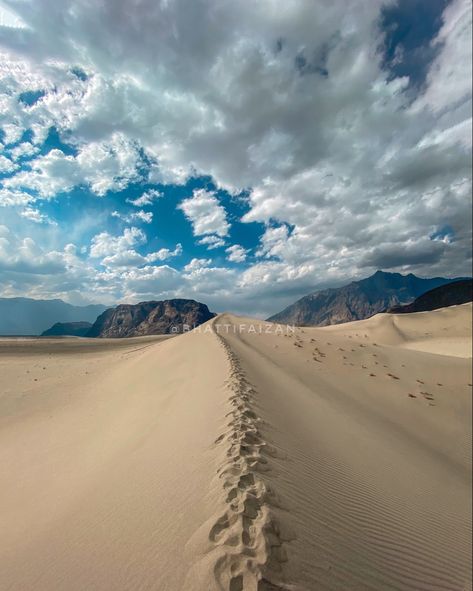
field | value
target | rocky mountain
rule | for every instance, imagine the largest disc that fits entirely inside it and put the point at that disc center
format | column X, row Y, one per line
column 357, row 300
column 451, row 294
column 26, row 316
column 146, row 318
column 72, row 329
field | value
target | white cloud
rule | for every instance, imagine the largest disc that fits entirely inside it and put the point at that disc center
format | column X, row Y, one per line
column 24, row 255
column 210, row 283
column 6, row 165
column 205, row 213
column 143, row 216
column 449, row 78
column 9, row 19
column 29, row 269
column 34, row 215
column 11, row 133
column 110, row 165
column 236, row 253
column 344, row 168
column 211, row 242
column 102, row 166
column 273, row 242
column 147, row 198
column 131, row 258
column 23, row 150
column 53, row 173
column 8, row 197
column 197, row 264
column 151, row 282
column 119, row 251
column 124, row 258
column 164, row 253
column 104, row 244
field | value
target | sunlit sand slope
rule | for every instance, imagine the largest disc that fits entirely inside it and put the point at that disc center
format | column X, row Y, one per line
column 242, row 456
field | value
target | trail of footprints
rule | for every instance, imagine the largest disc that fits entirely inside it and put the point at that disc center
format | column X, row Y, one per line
column 247, row 530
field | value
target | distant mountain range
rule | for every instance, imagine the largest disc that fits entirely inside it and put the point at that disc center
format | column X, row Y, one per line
column 148, row 318
column 61, row 329
column 357, row 300
column 26, row 316
column 451, row 294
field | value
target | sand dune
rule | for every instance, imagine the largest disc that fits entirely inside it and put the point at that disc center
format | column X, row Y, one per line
column 447, row 331
column 241, row 457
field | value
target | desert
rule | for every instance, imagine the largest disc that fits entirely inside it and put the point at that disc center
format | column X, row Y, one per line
column 236, row 295
column 241, row 455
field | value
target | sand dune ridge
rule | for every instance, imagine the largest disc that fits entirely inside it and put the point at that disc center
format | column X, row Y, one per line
column 324, row 459
column 254, row 550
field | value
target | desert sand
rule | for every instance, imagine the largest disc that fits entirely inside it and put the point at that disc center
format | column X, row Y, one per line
column 240, row 456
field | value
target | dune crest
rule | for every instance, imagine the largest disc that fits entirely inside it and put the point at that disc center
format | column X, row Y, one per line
column 248, row 531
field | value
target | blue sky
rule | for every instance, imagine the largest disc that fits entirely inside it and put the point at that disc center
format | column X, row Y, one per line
column 285, row 149
column 410, row 27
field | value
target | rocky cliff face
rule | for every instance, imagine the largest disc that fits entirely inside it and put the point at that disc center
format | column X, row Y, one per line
column 452, row 294
column 62, row 329
column 148, row 318
column 358, row 300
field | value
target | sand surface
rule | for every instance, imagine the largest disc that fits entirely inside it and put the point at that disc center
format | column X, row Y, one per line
column 240, row 457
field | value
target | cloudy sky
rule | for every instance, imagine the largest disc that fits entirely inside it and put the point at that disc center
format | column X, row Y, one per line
column 236, row 152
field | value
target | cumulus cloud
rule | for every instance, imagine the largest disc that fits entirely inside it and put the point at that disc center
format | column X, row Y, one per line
column 23, row 150
column 49, row 175
column 34, row 215
column 104, row 244
column 11, row 133
column 164, row 253
column 273, row 242
column 102, row 166
column 236, row 253
column 147, row 198
column 347, row 167
column 9, row 197
column 205, row 213
column 144, row 216
column 120, row 251
column 6, row 165
column 151, row 281
column 197, row 264
column 23, row 255
column 211, row 242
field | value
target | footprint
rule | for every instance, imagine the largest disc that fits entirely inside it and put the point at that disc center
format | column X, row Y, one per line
column 251, row 507
column 265, row 585
column 246, row 481
column 236, row 583
column 248, row 497
column 217, row 530
column 232, row 495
